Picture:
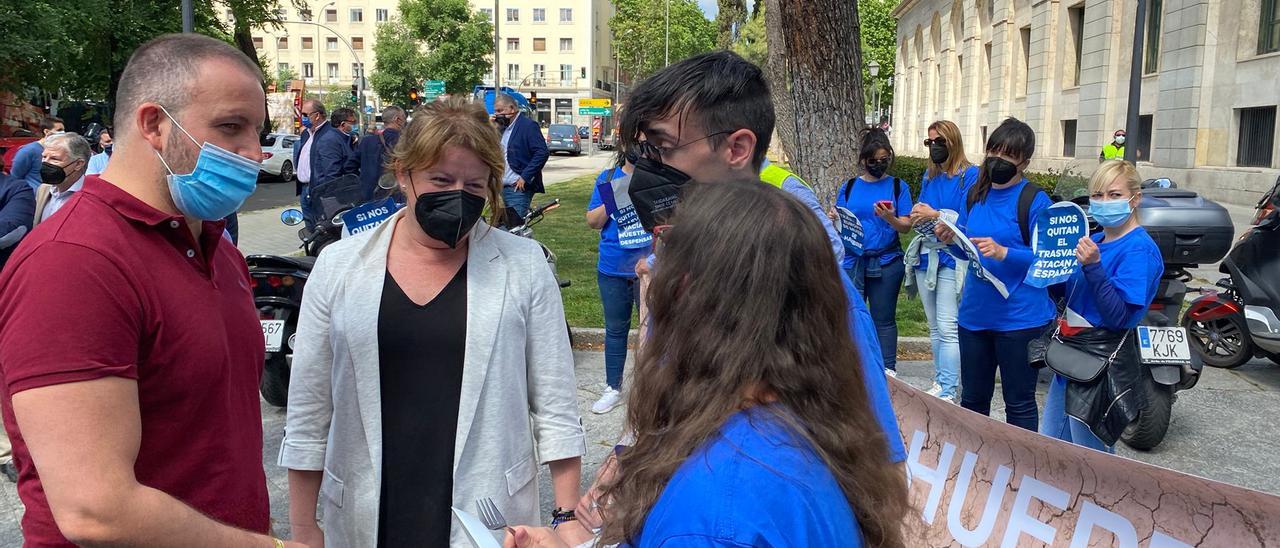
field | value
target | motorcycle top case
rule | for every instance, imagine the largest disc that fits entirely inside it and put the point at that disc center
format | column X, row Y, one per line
column 1189, row 229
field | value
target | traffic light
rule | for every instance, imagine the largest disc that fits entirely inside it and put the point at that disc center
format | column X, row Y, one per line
column 413, row 97
column 355, row 93
column 533, row 97
column 583, row 73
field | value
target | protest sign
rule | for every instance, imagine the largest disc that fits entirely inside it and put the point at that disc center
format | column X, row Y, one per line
column 1058, row 229
column 974, row 257
column 617, row 204
column 850, row 229
column 368, row 216
column 974, row 481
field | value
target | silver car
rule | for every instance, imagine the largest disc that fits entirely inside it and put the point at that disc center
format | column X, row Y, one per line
column 277, row 155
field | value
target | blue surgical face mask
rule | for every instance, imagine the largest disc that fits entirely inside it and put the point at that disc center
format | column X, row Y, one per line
column 219, row 185
column 306, row 122
column 1110, row 213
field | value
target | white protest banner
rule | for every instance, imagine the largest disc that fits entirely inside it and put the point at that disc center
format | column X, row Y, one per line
column 974, row 481
column 1058, row 229
column 974, row 257
column 850, row 229
column 617, row 204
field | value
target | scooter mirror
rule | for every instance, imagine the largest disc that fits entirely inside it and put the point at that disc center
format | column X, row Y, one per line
column 291, row 216
column 386, row 182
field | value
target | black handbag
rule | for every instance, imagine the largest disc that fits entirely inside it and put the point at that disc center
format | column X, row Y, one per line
column 1083, row 363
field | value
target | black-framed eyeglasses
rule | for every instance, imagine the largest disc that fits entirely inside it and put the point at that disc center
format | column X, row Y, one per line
column 655, row 152
column 939, row 141
column 307, row 113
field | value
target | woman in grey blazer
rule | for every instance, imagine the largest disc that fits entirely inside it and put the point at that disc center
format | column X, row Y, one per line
column 432, row 367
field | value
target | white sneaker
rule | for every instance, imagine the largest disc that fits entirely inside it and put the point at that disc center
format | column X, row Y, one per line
column 891, row 373
column 937, row 389
column 608, row 401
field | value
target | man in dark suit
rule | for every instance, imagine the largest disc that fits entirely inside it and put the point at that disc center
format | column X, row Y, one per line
column 323, row 153
column 526, row 153
column 374, row 150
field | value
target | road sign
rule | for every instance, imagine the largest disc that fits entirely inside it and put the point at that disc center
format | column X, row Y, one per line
column 432, row 89
column 595, row 103
column 595, row 111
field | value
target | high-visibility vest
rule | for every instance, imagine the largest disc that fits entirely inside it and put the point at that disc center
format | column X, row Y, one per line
column 1113, row 152
column 775, row 176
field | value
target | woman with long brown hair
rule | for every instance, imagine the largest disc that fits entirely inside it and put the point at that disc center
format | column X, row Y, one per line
column 752, row 423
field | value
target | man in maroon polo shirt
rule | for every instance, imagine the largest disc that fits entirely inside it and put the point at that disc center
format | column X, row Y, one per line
column 130, row 350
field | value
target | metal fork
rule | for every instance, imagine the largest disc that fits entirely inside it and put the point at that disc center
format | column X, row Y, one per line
column 491, row 517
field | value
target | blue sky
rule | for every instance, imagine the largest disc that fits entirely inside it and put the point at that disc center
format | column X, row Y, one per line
column 710, row 7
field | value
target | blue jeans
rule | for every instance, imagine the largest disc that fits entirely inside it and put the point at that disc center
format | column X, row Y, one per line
column 518, row 199
column 619, row 296
column 941, row 306
column 304, row 201
column 981, row 353
column 1057, row 424
column 881, row 293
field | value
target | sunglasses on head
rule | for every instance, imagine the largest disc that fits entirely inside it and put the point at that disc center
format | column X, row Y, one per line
column 939, row 141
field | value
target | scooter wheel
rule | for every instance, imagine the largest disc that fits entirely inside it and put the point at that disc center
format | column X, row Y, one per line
column 1145, row 433
column 1224, row 342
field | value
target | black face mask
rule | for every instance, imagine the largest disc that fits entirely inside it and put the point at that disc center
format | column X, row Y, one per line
column 448, row 215
column 654, row 191
column 999, row 170
column 107, row 149
column 877, row 169
column 51, row 174
column 502, row 121
column 938, row 154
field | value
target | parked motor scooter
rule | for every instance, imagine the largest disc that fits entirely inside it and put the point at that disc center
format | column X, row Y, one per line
column 1238, row 323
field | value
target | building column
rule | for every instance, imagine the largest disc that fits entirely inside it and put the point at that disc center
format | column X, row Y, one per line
column 1182, row 71
column 1103, row 86
column 1043, row 87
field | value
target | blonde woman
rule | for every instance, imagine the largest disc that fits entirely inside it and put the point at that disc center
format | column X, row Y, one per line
column 1121, row 269
column 938, row 276
column 432, row 363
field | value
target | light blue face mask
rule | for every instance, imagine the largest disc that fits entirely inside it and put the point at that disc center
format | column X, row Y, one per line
column 1110, row 213
column 219, row 185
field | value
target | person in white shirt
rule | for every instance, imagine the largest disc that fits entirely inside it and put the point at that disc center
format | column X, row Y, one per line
column 98, row 162
column 64, row 163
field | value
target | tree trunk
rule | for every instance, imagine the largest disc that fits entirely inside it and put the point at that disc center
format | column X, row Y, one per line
column 814, row 72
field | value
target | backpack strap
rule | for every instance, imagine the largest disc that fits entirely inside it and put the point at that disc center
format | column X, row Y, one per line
column 1025, row 199
column 848, row 186
column 897, row 189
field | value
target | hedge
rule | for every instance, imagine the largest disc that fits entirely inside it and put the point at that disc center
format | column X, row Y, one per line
column 911, row 170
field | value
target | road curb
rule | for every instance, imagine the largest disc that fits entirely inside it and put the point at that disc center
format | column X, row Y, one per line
column 594, row 336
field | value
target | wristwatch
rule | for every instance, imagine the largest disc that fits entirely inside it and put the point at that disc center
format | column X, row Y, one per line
column 561, row 515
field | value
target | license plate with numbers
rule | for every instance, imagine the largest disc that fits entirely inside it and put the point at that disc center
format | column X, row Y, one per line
column 1164, row 345
column 273, row 332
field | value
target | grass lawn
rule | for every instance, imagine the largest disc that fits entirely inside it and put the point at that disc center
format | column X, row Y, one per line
column 565, row 231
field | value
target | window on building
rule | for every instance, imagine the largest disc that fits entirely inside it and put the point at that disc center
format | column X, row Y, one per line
column 566, row 15
column 282, row 14
column 331, row 16
column 1151, row 54
column 357, row 42
column 539, row 15
column 1069, row 138
column 282, row 68
column 1026, row 58
column 1257, row 136
column 984, row 137
column 308, row 70
column 257, row 42
column 282, row 42
column 333, row 71
column 382, row 15
column 513, row 44
column 357, row 15
column 986, row 82
column 305, row 15
column 566, row 74
column 539, row 44
column 513, row 72
column 959, row 79
column 566, row 44
column 1075, row 20
column 539, row 73
column 1269, row 31
column 230, row 17
column 331, row 43
column 487, row 13
column 1145, row 128
column 991, row 11
column 513, row 15
column 308, row 42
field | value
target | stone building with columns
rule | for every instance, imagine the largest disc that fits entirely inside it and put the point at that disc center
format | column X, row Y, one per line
column 1210, row 86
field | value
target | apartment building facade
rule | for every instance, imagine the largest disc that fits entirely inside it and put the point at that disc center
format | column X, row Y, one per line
column 1209, row 91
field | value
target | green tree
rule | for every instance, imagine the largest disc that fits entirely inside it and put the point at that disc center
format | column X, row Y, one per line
column 458, row 41
column 753, row 44
column 879, row 44
column 639, row 34
column 729, row 20
column 399, row 63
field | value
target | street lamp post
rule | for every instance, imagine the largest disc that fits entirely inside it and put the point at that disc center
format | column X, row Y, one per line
column 360, row 79
column 873, row 68
column 496, row 72
column 666, row 48
column 188, row 17
column 1131, row 125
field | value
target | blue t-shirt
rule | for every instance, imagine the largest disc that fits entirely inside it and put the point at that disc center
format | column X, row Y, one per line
column 755, row 483
column 26, row 163
column 863, row 330
column 614, row 259
column 1133, row 265
column 876, row 232
column 981, row 306
column 941, row 192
